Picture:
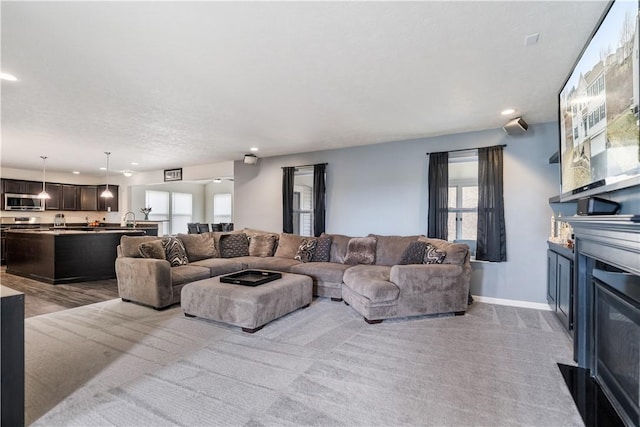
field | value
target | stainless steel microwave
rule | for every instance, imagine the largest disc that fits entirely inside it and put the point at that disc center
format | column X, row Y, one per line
column 22, row 202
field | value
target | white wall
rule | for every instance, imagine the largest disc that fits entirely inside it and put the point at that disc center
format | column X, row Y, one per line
column 382, row 189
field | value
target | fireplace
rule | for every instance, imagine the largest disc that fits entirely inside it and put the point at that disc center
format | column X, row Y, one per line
column 616, row 327
column 607, row 307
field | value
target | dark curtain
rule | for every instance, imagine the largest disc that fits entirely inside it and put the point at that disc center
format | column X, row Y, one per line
column 491, row 240
column 438, row 195
column 287, row 199
column 319, row 198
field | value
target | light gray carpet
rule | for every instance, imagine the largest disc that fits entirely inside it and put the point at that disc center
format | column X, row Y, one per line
column 116, row 363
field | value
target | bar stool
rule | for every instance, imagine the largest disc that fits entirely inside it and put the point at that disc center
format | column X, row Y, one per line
column 192, row 228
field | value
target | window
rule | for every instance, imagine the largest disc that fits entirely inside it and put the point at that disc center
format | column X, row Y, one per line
column 158, row 201
column 222, row 208
column 303, row 201
column 463, row 198
column 181, row 212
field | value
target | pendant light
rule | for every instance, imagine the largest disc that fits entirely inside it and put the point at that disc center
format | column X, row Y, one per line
column 43, row 194
column 107, row 194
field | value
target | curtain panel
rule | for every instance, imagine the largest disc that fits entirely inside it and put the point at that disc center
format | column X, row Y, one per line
column 438, row 195
column 491, row 240
column 319, row 198
column 288, row 174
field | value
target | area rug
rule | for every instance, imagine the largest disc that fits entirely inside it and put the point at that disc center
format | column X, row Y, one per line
column 120, row 364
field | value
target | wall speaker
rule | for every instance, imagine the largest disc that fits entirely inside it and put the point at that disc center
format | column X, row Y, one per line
column 516, row 126
column 250, row 159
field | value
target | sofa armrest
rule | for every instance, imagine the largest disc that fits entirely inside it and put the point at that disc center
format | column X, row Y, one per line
column 144, row 280
column 416, row 278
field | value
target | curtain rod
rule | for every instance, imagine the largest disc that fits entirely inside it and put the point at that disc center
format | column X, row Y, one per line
column 467, row 149
column 304, row 166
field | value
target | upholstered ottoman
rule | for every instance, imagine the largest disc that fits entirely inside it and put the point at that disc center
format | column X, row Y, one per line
column 250, row 307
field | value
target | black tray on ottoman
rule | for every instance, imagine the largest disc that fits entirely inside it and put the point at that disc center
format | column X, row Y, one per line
column 250, row 277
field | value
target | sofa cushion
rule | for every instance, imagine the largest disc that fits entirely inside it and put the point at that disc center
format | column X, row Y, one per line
column 330, row 272
column 361, row 250
column 372, row 282
column 433, row 255
column 268, row 263
column 152, row 249
column 306, row 250
column 129, row 245
column 174, row 251
column 456, row 252
column 188, row 273
column 198, row 246
column 234, row 245
column 389, row 249
column 414, row 254
column 219, row 266
column 323, row 249
column 288, row 245
column 339, row 245
column 262, row 245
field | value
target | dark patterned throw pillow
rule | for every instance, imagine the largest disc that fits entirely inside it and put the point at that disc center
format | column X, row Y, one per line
column 433, row 255
column 174, row 251
column 306, row 250
column 234, row 245
column 323, row 249
column 414, row 254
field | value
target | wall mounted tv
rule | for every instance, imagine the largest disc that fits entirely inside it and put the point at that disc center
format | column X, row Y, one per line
column 598, row 107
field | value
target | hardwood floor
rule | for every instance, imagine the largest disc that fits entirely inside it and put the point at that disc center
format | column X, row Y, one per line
column 42, row 298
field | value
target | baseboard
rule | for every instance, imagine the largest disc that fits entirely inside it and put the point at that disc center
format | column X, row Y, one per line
column 512, row 302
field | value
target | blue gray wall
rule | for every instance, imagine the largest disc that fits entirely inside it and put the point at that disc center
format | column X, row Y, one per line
column 382, row 189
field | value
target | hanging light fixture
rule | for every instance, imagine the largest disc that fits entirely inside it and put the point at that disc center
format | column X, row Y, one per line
column 107, row 194
column 43, row 194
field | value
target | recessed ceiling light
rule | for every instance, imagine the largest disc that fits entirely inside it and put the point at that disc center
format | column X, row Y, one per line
column 135, row 163
column 103, row 169
column 76, row 172
column 253, row 148
column 217, row 180
column 127, row 173
column 9, row 77
column 508, row 111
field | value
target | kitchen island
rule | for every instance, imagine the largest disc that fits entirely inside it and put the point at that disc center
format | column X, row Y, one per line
column 65, row 255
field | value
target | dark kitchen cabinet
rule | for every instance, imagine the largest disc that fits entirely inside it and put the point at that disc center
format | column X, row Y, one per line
column 111, row 204
column 54, row 203
column 69, row 197
column 88, row 198
column 21, row 187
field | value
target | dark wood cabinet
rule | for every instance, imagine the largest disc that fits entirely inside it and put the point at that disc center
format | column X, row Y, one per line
column 55, row 194
column 111, row 204
column 88, row 198
column 12, row 392
column 560, row 283
column 69, row 197
column 21, row 187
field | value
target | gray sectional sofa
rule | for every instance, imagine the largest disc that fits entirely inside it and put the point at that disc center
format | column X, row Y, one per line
column 370, row 274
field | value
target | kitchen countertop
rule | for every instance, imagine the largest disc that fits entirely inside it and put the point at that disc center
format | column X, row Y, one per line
column 57, row 232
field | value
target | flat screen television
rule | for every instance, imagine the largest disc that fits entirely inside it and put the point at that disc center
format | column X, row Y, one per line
column 598, row 106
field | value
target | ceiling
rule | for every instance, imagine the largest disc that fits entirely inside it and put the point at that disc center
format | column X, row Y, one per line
column 174, row 84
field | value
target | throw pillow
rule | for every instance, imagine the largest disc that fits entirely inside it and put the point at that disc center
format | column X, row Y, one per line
column 361, row 250
column 174, row 251
column 198, row 246
column 234, row 245
column 414, row 254
column 288, row 245
column 152, row 249
column 306, row 250
column 262, row 245
column 129, row 245
column 323, row 249
column 433, row 255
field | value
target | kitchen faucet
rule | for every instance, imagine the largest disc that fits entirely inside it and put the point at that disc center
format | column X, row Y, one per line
column 127, row 221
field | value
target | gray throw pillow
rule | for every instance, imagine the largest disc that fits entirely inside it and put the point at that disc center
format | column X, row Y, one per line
column 198, row 246
column 323, row 249
column 361, row 250
column 152, row 249
column 234, row 245
column 306, row 250
column 414, row 254
column 174, row 251
column 433, row 255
